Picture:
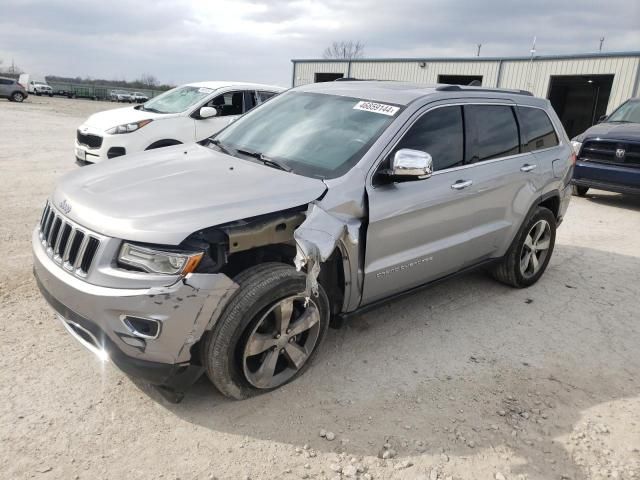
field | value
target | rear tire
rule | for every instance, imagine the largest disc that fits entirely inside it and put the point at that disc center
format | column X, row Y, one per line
column 579, row 191
column 251, row 349
column 529, row 254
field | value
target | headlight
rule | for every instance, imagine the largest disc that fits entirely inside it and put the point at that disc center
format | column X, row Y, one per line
column 158, row 261
column 576, row 146
column 129, row 127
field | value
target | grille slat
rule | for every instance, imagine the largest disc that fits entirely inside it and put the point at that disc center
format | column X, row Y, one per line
column 52, row 239
column 69, row 245
column 89, row 253
column 88, row 140
column 77, row 243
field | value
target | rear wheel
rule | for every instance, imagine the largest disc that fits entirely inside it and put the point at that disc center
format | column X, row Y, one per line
column 528, row 257
column 267, row 334
column 17, row 97
column 580, row 191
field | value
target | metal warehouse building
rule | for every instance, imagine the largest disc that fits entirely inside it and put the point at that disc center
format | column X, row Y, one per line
column 581, row 87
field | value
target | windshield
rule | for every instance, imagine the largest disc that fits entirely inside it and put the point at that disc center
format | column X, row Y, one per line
column 628, row 112
column 312, row 134
column 177, row 100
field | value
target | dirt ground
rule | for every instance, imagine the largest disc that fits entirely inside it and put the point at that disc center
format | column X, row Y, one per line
column 466, row 380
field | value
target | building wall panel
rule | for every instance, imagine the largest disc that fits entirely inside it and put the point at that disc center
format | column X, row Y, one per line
column 519, row 73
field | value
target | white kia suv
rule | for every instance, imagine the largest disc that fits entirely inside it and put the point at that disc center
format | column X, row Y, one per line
column 185, row 114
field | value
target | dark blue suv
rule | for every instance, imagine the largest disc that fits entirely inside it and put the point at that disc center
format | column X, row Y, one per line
column 609, row 153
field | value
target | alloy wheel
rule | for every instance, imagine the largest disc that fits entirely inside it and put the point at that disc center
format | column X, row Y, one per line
column 281, row 342
column 535, row 249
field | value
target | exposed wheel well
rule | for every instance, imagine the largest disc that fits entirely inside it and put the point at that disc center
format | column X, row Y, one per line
column 163, row 143
column 331, row 275
column 553, row 204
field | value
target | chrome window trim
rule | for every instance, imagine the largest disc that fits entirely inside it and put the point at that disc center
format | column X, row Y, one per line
column 412, row 121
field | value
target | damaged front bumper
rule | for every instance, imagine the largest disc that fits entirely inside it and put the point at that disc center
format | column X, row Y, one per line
column 96, row 316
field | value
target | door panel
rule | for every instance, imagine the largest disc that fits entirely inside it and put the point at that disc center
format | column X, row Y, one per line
column 416, row 234
column 416, row 229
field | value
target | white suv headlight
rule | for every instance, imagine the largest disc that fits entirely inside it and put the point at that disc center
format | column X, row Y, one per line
column 128, row 127
column 158, row 261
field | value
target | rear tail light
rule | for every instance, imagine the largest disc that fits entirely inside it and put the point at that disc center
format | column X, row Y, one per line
column 572, row 158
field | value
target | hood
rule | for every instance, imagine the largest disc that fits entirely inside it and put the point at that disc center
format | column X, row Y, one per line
column 613, row 131
column 162, row 196
column 119, row 116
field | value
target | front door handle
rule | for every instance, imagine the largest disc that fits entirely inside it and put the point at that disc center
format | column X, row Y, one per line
column 460, row 184
column 527, row 168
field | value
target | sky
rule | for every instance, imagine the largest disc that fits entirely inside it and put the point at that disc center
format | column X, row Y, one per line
column 180, row 41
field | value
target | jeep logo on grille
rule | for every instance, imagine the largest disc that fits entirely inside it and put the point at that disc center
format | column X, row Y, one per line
column 620, row 152
column 65, row 206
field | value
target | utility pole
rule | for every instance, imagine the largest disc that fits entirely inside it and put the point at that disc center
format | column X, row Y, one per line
column 533, row 52
column 601, row 42
column 478, row 52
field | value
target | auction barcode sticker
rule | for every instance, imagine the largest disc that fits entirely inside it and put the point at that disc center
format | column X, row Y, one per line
column 377, row 108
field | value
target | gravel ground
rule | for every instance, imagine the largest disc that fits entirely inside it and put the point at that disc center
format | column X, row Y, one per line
column 466, row 380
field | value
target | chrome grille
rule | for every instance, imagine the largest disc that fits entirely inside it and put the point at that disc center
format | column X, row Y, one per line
column 70, row 246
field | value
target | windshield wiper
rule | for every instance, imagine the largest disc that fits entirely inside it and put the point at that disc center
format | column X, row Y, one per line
column 270, row 162
column 149, row 109
column 225, row 149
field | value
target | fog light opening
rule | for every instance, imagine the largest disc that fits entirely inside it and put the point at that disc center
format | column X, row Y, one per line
column 142, row 327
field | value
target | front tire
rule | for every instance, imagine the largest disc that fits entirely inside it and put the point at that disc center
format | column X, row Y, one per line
column 266, row 337
column 579, row 191
column 17, row 97
column 529, row 254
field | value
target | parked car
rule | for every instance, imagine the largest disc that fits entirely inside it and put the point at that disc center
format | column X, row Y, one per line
column 12, row 90
column 609, row 153
column 120, row 96
column 184, row 114
column 139, row 97
column 42, row 89
column 230, row 257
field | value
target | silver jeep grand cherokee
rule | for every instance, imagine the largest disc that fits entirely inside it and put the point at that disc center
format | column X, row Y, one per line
column 230, row 257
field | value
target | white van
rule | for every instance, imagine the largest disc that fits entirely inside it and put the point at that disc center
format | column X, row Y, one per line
column 35, row 84
column 185, row 114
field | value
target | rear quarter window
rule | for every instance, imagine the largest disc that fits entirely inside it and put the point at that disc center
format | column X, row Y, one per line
column 536, row 128
column 491, row 132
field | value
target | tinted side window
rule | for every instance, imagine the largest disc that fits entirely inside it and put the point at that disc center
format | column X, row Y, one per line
column 4, row 81
column 264, row 96
column 537, row 129
column 230, row 103
column 492, row 132
column 439, row 133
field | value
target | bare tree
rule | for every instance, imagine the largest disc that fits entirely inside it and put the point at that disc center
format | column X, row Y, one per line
column 344, row 50
column 148, row 80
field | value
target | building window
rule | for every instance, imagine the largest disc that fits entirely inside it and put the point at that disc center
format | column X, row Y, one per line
column 327, row 77
column 461, row 79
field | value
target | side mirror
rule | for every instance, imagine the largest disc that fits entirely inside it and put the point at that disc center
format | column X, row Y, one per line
column 207, row 112
column 408, row 164
column 602, row 118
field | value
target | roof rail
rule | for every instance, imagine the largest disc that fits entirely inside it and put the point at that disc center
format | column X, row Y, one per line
column 458, row 88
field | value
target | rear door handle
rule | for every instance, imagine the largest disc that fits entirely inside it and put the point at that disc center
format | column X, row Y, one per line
column 527, row 168
column 460, row 184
